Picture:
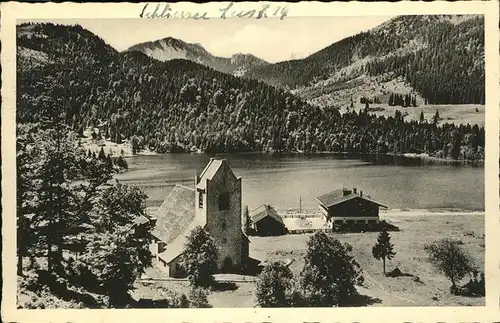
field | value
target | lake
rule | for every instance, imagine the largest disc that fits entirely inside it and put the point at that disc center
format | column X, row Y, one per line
column 282, row 181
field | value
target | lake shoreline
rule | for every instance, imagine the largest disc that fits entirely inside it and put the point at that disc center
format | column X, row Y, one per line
column 383, row 214
column 116, row 150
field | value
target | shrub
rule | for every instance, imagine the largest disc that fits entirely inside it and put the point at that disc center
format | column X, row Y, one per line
column 199, row 258
column 330, row 272
column 449, row 257
column 170, row 299
column 198, row 298
column 476, row 284
column 273, row 285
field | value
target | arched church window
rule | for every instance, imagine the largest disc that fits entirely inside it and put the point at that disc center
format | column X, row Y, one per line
column 223, row 201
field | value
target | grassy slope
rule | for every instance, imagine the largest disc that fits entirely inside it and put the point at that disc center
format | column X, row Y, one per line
column 341, row 76
column 449, row 113
column 410, row 258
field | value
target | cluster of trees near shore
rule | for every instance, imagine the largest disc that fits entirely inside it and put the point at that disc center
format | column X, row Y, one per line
column 181, row 106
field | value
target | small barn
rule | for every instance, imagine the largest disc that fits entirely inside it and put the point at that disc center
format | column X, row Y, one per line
column 349, row 207
column 266, row 221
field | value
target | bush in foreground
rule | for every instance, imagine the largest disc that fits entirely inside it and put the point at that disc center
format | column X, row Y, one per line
column 273, row 285
column 330, row 272
column 198, row 298
column 449, row 257
column 476, row 285
column 199, row 258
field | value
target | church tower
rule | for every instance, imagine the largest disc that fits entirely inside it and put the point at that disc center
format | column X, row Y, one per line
column 218, row 199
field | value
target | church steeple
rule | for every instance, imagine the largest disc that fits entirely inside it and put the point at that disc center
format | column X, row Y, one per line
column 218, row 199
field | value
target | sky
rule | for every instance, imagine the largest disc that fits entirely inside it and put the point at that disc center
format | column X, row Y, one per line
column 271, row 39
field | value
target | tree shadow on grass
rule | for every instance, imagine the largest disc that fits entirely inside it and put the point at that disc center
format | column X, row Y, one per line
column 253, row 267
column 224, row 286
column 359, row 300
column 157, row 303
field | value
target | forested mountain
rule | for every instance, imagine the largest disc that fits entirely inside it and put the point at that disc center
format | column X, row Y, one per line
column 439, row 57
column 182, row 106
column 171, row 48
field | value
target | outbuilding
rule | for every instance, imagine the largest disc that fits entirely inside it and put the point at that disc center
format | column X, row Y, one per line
column 266, row 221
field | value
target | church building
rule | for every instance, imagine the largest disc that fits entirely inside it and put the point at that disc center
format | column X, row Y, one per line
column 215, row 205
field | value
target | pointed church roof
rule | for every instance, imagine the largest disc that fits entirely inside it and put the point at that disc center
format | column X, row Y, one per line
column 209, row 172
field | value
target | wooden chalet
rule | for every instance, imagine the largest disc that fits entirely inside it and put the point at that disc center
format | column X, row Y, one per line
column 348, row 207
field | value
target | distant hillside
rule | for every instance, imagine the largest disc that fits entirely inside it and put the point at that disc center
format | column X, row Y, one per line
column 438, row 58
column 171, row 48
column 179, row 105
column 171, row 106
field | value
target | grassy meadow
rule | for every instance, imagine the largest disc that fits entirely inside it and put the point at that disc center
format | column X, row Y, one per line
column 449, row 113
column 416, row 230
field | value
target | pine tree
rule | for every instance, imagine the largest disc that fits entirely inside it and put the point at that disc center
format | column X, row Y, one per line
column 383, row 249
column 109, row 161
column 117, row 248
column 102, row 155
column 28, row 170
column 436, row 117
column 422, row 116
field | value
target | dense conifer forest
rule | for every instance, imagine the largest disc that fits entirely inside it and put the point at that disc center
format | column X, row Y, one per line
column 179, row 106
column 440, row 58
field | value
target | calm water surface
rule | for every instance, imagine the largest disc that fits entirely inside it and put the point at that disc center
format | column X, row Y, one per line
column 399, row 183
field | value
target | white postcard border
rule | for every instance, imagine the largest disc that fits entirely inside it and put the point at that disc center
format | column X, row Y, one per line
column 13, row 11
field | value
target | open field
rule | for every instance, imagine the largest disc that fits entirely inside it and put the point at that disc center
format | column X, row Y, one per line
column 449, row 113
column 416, row 231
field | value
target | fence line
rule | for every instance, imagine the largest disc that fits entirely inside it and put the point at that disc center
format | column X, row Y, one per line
column 312, row 215
column 300, row 231
column 166, row 279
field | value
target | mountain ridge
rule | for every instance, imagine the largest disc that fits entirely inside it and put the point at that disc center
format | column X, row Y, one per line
column 182, row 106
column 169, row 48
column 417, row 52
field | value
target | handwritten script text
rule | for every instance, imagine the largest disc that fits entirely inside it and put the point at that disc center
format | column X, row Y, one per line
column 159, row 10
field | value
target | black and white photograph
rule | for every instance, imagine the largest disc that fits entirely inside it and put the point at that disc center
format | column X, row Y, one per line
column 255, row 160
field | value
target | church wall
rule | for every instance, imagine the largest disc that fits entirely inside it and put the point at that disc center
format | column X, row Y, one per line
column 225, row 225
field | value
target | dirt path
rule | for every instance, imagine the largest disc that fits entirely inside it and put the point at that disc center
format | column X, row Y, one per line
column 378, row 290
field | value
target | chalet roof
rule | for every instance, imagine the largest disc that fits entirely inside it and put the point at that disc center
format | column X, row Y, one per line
column 265, row 211
column 175, row 221
column 340, row 196
column 331, row 197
